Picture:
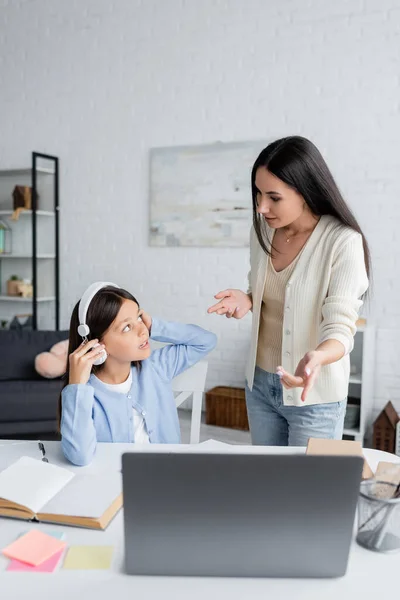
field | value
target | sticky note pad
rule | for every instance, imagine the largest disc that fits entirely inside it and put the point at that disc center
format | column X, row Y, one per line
column 34, row 547
column 88, row 557
column 60, row 535
column 48, row 566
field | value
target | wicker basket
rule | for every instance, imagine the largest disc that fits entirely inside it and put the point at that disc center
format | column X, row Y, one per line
column 226, row 407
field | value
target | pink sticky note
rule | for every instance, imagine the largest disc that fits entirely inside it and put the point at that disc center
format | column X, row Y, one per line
column 34, row 548
column 48, row 566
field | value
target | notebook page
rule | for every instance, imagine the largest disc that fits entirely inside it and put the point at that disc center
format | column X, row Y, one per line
column 88, row 495
column 32, row 483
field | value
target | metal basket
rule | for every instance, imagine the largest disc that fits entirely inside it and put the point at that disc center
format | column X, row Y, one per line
column 379, row 517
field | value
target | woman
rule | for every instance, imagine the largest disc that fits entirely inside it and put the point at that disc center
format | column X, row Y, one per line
column 310, row 266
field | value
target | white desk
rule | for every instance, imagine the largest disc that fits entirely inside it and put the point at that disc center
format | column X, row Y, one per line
column 369, row 574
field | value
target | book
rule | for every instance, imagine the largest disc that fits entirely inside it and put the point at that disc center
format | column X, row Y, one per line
column 324, row 447
column 31, row 489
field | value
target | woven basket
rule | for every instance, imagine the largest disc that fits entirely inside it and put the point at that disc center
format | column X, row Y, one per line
column 226, row 407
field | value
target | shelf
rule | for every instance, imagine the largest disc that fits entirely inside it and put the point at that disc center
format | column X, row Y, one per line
column 28, row 171
column 40, row 256
column 20, row 299
column 356, row 378
column 39, row 213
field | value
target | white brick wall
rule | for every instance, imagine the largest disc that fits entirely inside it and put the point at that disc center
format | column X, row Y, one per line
column 99, row 82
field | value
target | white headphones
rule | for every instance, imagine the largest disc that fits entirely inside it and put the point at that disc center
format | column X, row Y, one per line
column 83, row 328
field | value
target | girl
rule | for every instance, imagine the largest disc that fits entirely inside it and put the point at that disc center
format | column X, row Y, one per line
column 309, row 271
column 117, row 390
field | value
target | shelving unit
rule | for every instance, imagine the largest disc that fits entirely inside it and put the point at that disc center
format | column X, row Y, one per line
column 35, row 242
column 25, row 300
column 38, row 256
column 361, row 381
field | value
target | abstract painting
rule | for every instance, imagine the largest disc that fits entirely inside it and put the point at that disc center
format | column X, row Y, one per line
column 201, row 195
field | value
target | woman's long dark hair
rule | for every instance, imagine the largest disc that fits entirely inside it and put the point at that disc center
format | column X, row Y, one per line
column 102, row 311
column 298, row 163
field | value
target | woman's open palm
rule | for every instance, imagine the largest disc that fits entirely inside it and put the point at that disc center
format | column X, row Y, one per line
column 232, row 303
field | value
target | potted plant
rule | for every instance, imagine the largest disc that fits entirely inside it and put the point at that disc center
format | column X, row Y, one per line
column 13, row 285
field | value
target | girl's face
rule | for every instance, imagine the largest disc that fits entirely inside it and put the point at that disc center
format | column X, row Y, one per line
column 279, row 204
column 127, row 338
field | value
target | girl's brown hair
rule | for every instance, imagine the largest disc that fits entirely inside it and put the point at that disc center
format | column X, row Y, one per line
column 102, row 312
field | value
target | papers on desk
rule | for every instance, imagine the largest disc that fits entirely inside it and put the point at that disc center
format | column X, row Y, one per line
column 213, row 444
column 34, row 548
column 89, row 557
column 37, row 552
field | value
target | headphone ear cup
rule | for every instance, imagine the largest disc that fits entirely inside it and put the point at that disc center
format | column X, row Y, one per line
column 102, row 359
column 83, row 330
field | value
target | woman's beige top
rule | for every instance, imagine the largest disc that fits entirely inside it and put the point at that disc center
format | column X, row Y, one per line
column 321, row 302
column 269, row 350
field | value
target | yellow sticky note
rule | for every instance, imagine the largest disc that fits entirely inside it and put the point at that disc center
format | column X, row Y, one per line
column 88, row 557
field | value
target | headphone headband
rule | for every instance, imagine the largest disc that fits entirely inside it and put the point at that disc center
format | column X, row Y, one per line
column 83, row 328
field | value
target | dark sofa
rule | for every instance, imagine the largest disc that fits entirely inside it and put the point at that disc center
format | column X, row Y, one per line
column 28, row 402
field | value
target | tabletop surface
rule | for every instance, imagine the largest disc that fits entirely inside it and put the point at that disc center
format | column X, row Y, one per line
column 369, row 574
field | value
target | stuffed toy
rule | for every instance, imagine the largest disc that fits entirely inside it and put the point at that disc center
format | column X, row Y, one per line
column 54, row 363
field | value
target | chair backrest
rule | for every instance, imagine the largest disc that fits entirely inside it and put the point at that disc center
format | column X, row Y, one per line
column 192, row 383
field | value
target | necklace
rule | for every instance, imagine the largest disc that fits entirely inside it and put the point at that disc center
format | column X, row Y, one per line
column 307, row 232
column 288, row 239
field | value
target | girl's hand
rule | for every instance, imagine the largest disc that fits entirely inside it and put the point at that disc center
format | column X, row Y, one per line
column 233, row 303
column 146, row 318
column 81, row 361
column 306, row 373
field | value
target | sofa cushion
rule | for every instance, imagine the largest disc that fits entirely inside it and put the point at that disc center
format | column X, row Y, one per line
column 18, row 350
column 29, row 400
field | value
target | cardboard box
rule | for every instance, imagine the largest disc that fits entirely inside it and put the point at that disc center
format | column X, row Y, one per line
column 388, row 472
column 324, row 447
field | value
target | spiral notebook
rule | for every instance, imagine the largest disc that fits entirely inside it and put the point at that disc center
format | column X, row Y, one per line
column 31, row 489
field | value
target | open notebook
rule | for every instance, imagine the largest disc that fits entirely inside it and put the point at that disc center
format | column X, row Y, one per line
column 34, row 490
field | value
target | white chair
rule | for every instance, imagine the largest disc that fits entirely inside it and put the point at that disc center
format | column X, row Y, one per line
column 192, row 383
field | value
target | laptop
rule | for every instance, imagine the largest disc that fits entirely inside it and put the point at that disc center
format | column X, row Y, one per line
column 239, row 515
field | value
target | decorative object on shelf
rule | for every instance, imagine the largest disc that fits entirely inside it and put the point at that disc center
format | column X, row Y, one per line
column 22, row 196
column 385, row 428
column 12, row 285
column 226, row 407
column 25, row 289
column 22, row 322
column 53, row 364
column 5, row 238
column 3, row 324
